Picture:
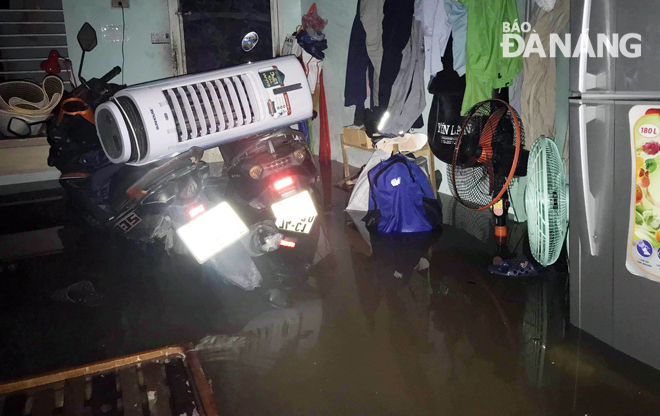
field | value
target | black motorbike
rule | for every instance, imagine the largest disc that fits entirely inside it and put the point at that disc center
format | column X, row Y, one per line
column 263, row 170
column 161, row 200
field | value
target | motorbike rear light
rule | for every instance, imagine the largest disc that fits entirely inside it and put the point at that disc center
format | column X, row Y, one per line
column 256, row 171
column 283, row 183
column 299, row 155
column 287, row 243
column 196, row 210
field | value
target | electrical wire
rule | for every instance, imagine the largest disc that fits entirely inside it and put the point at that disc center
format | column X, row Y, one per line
column 123, row 39
column 515, row 212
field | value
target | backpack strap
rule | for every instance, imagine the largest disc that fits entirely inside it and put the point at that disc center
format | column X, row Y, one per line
column 399, row 159
column 371, row 191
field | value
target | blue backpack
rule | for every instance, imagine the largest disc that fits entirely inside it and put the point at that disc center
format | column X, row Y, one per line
column 401, row 199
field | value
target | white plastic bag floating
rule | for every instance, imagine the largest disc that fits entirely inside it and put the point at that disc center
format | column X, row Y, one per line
column 360, row 197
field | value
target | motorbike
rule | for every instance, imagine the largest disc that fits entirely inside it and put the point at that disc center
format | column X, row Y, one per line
column 264, row 171
column 254, row 226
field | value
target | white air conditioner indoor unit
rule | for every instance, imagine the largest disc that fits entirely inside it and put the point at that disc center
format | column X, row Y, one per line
column 146, row 122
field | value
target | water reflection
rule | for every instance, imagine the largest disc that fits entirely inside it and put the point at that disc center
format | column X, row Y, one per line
column 396, row 274
column 455, row 331
column 445, row 336
column 407, row 326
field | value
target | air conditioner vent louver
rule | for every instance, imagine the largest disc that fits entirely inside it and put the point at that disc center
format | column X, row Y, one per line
column 204, row 110
column 212, row 106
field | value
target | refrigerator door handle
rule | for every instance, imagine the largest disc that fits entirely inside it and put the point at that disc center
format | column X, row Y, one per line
column 587, row 114
column 587, row 81
column 595, row 81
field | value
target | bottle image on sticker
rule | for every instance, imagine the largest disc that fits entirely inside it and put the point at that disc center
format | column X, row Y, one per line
column 644, row 238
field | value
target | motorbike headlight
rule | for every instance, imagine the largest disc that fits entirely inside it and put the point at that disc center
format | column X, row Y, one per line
column 299, row 155
column 256, row 171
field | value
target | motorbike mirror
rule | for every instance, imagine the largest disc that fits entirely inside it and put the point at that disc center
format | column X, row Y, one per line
column 87, row 41
column 87, row 37
column 249, row 41
column 22, row 128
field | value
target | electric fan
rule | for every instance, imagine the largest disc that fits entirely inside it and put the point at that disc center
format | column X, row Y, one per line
column 157, row 119
column 546, row 201
column 488, row 154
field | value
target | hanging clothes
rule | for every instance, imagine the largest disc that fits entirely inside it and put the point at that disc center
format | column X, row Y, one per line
column 359, row 71
column 313, row 68
column 486, row 68
column 515, row 91
column 540, row 74
column 436, row 30
column 457, row 15
column 546, row 5
column 397, row 27
column 397, row 76
column 371, row 16
column 408, row 98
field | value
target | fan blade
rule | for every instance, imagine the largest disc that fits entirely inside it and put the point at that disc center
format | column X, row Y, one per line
column 486, row 138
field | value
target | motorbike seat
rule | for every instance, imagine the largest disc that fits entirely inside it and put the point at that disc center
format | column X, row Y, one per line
column 133, row 182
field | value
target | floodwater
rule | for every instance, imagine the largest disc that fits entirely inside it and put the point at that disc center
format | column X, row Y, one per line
column 383, row 327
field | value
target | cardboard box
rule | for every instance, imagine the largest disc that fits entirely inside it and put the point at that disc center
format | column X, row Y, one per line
column 357, row 137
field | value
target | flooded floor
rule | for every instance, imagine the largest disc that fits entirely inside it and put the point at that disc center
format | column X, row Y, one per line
column 401, row 327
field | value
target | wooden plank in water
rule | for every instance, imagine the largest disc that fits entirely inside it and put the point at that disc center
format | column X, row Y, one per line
column 130, row 392
column 74, row 397
column 91, row 369
column 43, row 403
column 104, row 395
column 204, row 392
column 157, row 392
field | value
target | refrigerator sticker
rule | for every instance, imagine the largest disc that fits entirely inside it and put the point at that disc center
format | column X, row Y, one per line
column 643, row 257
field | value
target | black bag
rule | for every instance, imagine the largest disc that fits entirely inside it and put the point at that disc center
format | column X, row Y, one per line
column 445, row 120
column 74, row 146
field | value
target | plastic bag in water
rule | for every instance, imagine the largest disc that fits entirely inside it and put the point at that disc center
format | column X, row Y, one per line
column 234, row 265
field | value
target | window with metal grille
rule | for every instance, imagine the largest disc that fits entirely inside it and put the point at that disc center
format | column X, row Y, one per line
column 29, row 30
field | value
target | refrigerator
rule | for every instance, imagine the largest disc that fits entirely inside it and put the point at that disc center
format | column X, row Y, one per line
column 607, row 299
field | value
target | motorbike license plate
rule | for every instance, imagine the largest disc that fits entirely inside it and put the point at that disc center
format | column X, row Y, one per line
column 301, row 226
column 295, row 213
column 212, row 231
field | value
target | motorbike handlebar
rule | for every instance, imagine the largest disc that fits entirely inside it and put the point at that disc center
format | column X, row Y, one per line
column 110, row 75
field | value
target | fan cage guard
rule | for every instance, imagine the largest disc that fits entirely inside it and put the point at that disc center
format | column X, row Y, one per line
column 546, row 201
column 479, row 224
column 480, row 186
